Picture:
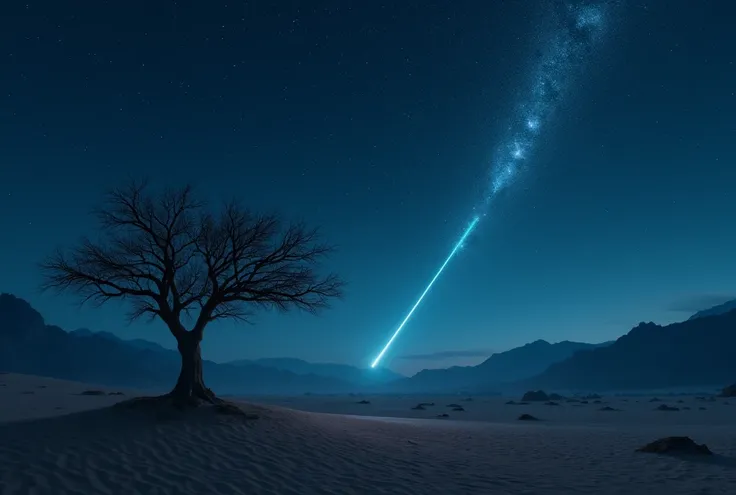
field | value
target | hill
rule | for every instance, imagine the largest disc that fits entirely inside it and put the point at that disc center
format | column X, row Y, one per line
column 696, row 352
column 512, row 365
column 29, row 346
column 716, row 310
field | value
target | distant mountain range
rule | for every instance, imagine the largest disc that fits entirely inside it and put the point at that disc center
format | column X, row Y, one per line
column 716, row 310
column 28, row 345
column 697, row 352
column 502, row 367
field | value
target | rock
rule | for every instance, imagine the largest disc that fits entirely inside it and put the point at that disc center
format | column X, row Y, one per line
column 675, row 445
column 443, row 415
column 93, row 392
column 363, row 402
column 115, row 393
column 514, row 403
column 702, row 408
column 665, row 407
column 557, row 397
column 655, row 399
column 535, row 396
column 418, row 407
column 608, row 408
column 454, row 405
column 458, row 409
column 729, row 391
column 527, row 417
column 551, row 403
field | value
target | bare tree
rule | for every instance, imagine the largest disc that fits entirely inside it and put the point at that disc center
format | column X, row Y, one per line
column 169, row 257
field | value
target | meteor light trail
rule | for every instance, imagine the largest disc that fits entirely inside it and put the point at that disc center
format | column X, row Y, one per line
column 426, row 290
column 577, row 26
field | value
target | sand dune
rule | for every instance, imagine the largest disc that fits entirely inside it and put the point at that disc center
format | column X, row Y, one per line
column 95, row 449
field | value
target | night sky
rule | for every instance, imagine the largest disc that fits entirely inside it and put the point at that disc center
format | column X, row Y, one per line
column 377, row 121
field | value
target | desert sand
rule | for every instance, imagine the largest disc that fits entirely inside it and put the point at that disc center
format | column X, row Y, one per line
column 55, row 440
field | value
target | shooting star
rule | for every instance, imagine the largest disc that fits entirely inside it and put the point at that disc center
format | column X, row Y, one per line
column 579, row 27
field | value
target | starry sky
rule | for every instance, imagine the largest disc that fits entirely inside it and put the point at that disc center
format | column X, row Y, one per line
column 377, row 121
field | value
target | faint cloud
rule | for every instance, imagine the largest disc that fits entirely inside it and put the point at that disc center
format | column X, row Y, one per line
column 442, row 355
column 699, row 302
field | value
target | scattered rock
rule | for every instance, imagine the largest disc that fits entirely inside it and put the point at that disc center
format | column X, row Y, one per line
column 597, row 402
column 654, row 399
column 418, row 407
column 665, row 407
column 702, row 408
column 675, row 445
column 608, row 408
column 454, row 405
column 115, row 393
column 41, row 386
column 467, row 399
column 551, row 403
column 426, row 404
column 458, row 409
column 93, row 392
column 556, row 397
column 726, row 403
column 363, row 402
column 583, row 401
column 729, row 391
column 685, row 408
column 527, row 417
column 680, row 401
column 535, row 396
column 443, row 415
column 28, row 392
column 591, row 397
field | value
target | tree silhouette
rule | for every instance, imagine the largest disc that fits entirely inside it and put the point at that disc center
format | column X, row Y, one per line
column 168, row 256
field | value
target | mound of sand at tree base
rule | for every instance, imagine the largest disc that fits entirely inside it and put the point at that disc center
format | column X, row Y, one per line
column 116, row 450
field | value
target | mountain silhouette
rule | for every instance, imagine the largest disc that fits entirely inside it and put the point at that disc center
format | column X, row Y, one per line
column 139, row 343
column 716, row 310
column 360, row 376
column 509, row 366
column 696, row 352
column 29, row 346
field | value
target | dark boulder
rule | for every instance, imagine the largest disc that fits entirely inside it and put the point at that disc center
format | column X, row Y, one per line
column 675, row 445
column 535, row 396
column 527, row 417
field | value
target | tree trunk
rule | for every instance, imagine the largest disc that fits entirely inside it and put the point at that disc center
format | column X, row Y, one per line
column 190, row 387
